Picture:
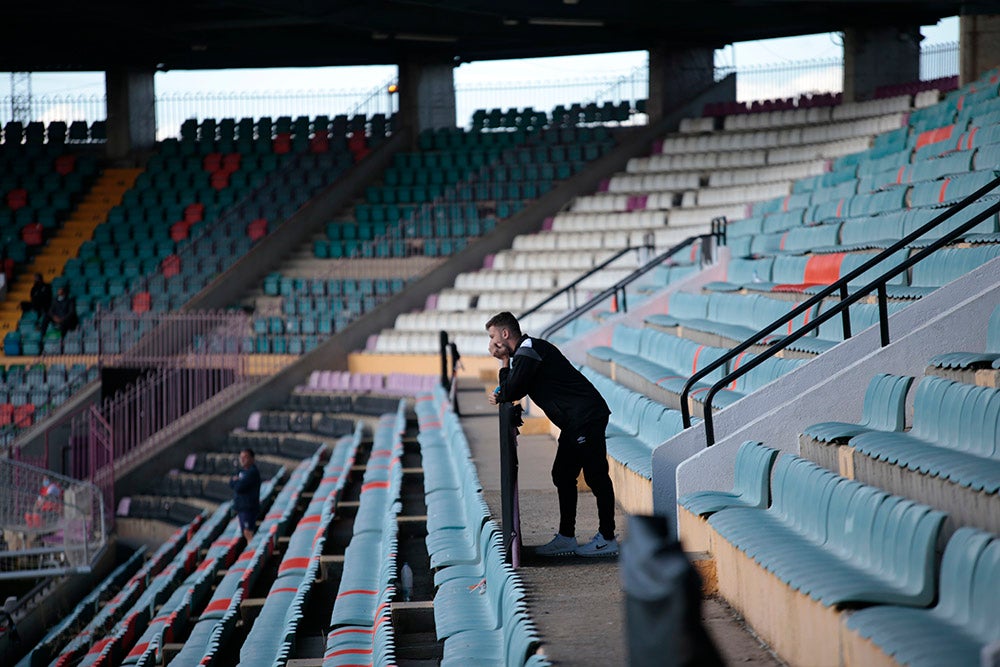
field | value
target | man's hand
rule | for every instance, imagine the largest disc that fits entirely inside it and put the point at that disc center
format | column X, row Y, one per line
column 500, row 351
column 492, row 398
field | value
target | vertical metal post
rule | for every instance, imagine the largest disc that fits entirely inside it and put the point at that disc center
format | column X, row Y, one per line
column 845, row 314
column 509, row 518
column 883, row 314
column 445, row 381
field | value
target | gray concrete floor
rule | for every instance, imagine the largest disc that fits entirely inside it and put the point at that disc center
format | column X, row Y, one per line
column 577, row 603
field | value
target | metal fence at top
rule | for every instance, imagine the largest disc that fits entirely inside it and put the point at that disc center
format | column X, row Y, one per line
column 757, row 82
column 52, row 524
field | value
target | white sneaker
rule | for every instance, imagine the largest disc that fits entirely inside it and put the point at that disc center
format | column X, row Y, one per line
column 598, row 547
column 560, row 545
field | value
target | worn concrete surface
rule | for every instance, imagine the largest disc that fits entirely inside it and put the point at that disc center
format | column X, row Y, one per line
column 577, row 603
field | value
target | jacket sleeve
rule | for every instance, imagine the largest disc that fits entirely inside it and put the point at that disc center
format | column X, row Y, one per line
column 514, row 381
column 244, row 482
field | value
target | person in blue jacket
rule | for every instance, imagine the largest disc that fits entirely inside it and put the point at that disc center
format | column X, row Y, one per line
column 246, row 485
column 535, row 368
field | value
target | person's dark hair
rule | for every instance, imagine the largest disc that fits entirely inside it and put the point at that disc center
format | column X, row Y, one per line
column 505, row 320
column 249, row 452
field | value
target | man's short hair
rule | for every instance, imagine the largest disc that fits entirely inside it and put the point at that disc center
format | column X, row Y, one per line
column 505, row 320
column 249, row 452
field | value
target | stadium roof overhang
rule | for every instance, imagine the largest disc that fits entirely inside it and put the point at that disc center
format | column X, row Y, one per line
column 211, row 34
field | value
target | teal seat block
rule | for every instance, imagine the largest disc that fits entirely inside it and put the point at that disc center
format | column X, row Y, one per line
column 963, row 621
column 954, row 437
column 836, row 540
column 883, row 410
column 751, row 486
column 961, row 360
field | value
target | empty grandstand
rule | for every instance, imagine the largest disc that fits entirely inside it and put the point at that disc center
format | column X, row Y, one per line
column 790, row 305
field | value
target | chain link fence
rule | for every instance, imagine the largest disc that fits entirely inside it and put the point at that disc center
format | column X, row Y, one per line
column 52, row 524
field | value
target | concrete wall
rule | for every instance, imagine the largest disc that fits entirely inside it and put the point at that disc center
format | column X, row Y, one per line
column 979, row 42
column 830, row 387
column 426, row 95
column 879, row 56
column 680, row 74
column 131, row 106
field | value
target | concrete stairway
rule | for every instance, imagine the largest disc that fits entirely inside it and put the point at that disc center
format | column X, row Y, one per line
column 105, row 194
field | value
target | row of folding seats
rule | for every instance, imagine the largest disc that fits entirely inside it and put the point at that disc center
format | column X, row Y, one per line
column 36, row 133
column 466, row 551
column 272, row 637
column 115, row 609
column 216, row 552
column 45, row 649
column 637, row 426
column 360, row 618
column 217, row 620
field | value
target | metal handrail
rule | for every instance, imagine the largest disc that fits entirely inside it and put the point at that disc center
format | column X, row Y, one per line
column 572, row 286
column 841, row 286
column 717, row 232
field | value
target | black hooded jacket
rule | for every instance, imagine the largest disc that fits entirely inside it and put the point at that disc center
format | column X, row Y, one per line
column 540, row 371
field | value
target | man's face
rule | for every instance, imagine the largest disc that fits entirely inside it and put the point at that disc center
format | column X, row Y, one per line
column 499, row 339
column 245, row 459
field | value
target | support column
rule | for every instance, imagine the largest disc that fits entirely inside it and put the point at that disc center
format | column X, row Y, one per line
column 676, row 75
column 131, row 112
column 879, row 56
column 979, row 45
column 426, row 95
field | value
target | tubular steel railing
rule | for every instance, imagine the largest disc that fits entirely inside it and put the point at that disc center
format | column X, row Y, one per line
column 618, row 290
column 840, row 287
column 570, row 288
column 52, row 524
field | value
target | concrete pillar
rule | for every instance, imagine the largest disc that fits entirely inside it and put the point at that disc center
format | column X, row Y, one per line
column 979, row 45
column 676, row 75
column 426, row 95
column 879, row 56
column 131, row 112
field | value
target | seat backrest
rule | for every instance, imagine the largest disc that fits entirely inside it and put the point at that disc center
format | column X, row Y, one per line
column 853, row 507
column 626, row 339
column 752, row 473
column 927, row 406
column 985, row 600
column 958, row 567
column 885, row 402
column 993, row 332
column 905, row 554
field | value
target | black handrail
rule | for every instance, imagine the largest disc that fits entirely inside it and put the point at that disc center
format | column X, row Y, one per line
column 572, row 286
column 841, row 285
column 717, row 232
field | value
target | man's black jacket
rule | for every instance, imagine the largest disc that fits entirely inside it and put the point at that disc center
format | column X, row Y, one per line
column 540, row 371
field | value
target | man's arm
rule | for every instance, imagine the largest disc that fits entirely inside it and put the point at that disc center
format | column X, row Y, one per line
column 514, row 381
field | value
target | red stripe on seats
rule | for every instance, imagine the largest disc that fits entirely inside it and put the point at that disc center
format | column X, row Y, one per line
column 694, row 362
column 840, row 207
column 374, row 485
column 784, row 204
column 291, row 563
column 736, row 364
column 784, row 237
column 348, row 651
column 219, row 605
column 139, row 649
column 668, row 377
column 944, row 189
column 899, row 175
column 344, row 631
column 433, row 424
column 972, row 135
column 312, row 518
column 929, row 137
column 700, row 390
column 359, row 591
column 823, row 269
column 283, row 590
column 99, row 646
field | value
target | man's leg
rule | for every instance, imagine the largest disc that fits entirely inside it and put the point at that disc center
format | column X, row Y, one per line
column 565, row 469
column 594, row 460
